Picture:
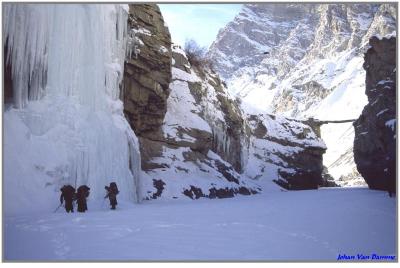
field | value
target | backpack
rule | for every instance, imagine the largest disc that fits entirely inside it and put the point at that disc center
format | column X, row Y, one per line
column 114, row 188
column 83, row 191
column 68, row 191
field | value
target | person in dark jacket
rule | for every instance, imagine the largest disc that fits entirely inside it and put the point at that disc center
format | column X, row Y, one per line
column 391, row 185
column 112, row 192
column 82, row 194
column 67, row 194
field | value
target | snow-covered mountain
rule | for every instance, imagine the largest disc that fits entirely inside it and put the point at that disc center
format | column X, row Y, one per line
column 304, row 60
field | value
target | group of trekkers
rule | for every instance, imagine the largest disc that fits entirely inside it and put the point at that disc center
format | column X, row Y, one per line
column 69, row 195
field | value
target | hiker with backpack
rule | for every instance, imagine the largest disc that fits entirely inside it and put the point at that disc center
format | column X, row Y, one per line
column 82, row 194
column 67, row 194
column 112, row 192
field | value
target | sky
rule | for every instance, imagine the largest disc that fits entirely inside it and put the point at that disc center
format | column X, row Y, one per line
column 200, row 22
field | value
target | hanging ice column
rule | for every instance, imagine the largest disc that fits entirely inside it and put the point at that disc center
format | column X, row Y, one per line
column 232, row 148
column 67, row 65
column 26, row 38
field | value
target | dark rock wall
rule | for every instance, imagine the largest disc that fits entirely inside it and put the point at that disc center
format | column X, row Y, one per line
column 147, row 75
column 375, row 129
column 147, row 70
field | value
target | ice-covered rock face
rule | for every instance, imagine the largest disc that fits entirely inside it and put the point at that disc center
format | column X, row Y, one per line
column 65, row 122
column 313, row 67
column 375, row 129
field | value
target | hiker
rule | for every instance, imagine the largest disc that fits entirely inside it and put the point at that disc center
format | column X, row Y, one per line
column 67, row 194
column 391, row 186
column 82, row 194
column 112, row 192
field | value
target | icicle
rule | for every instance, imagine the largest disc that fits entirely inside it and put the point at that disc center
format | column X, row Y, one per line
column 26, row 33
column 222, row 142
column 245, row 146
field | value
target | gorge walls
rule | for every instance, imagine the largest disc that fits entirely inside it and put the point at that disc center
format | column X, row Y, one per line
column 375, row 129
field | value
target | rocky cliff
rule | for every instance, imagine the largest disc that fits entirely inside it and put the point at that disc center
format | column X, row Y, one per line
column 147, row 72
column 190, row 131
column 193, row 158
column 287, row 151
column 301, row 61
column 195, row 139
column 375, row 129
column 147, row 76
column 209, row 148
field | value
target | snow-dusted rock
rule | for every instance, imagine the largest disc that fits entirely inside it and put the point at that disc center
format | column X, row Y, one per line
column 290, row 149
column 375, row 129
column 197, row 153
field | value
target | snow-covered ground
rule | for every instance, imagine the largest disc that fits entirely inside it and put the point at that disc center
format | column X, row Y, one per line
column 299, row 225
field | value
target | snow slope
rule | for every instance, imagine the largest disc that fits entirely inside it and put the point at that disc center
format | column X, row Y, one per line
column 314, row 225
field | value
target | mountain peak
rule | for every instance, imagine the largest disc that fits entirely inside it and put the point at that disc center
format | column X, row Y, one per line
column 315, row 56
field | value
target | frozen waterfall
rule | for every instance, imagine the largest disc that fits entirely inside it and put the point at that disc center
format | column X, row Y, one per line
column 66, row 124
